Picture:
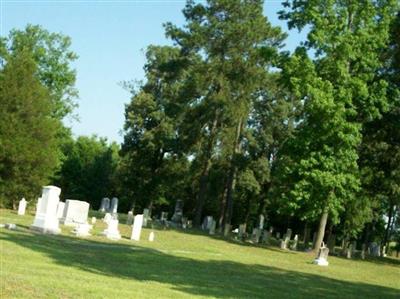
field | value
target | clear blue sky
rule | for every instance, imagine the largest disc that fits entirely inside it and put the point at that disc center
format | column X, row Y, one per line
column 109, row 37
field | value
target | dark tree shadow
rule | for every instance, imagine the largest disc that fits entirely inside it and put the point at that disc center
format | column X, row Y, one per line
column 221, row 279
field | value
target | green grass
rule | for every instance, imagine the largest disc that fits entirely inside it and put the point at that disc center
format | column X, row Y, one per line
column 176, row 265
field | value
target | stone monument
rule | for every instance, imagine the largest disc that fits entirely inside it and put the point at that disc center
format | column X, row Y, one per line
column 105, row 205
column 114, row 206
column 22, row 207
column 46, row 220
column 177, row 217
column 60, row 209
column 137, row 227
column 129, row 219
column 75, row 212
column 322, row 258
column 112, row 232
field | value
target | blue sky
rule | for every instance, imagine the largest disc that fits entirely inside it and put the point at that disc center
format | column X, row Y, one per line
column 109, row 37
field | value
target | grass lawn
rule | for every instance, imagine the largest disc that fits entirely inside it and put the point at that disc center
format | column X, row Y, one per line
column 177, row 264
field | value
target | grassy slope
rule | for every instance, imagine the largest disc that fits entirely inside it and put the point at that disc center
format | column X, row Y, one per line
column 176, row 265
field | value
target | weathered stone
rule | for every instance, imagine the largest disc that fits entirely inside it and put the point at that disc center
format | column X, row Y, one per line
column 295, row 242
column 265, row 236
column 82, row 230
column 112, row 232
column 60, row 209
column 137, row 227
column 151, row 236
column 93, row 220
column 107, row 217
column 22, row 207
column 255, row 236
column 242, row 231
column 261, row 222
column 146, row 216
column 322, row 258
column 114, row 206
column 105, row 205
column 178, row 213
column 75, row 211
column 46, row 220
column 212, row 227
column 129, row 219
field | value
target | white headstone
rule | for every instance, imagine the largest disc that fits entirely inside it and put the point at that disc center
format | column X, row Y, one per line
column 46, row 219
column 94, row 219
column 82, row 230
column 75, row 212
column 60, row 209
column 107, row 218
column 22, row 207
column 112, row 232
column 151, row 237
column 137, row 227
column 322, row 259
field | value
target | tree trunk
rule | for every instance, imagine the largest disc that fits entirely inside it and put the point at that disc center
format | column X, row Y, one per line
column 261, row 203
column 306, row 238
column 232, row 175
column 387, row 231
column 223, row 208
column 201, row 196
column 321, row 230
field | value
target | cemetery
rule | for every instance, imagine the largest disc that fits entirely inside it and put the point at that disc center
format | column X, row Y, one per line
column 200, row 149
column 119, row 255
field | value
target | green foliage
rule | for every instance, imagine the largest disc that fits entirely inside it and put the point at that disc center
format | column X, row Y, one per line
column 28, row 146
column 88, row 170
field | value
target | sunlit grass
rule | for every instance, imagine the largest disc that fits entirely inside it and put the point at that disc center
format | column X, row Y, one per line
column 177, row 264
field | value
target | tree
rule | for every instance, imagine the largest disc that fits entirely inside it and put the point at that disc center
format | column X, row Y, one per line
column 89, row 169
column 231, row 38
column 152, row 117
column 341, row 92
column 28, row 147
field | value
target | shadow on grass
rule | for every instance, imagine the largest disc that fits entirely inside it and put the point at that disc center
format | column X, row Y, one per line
column 221, row 279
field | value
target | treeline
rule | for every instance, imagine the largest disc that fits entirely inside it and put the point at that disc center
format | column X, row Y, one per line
column 234, row 126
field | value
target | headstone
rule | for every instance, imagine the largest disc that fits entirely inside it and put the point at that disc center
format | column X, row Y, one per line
column 164, row 216
column 151, row 236
column 75, row 211
column 94, row 219
column 375, row 249
column 322, row 259
column 10, row 226
column 137, row 227
column 129, row 219
column 207, row 222
column 353, row 247
column 46, row 220
column 107, row 218
column 146, row 215
column 114, row 206
column 178, row 213
column 255, row 236
column 60, row 209
column 261, row 222
column 278, row 235
column 212, row 227
column 112, row 232
column 349, row 251
column 265, row 236
column 105, row 205
column 384, row 251
column 295, row 241
column 184, row 222
column 22, row 207
column 286, row 239
column 242, row 231
column 82, row 230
